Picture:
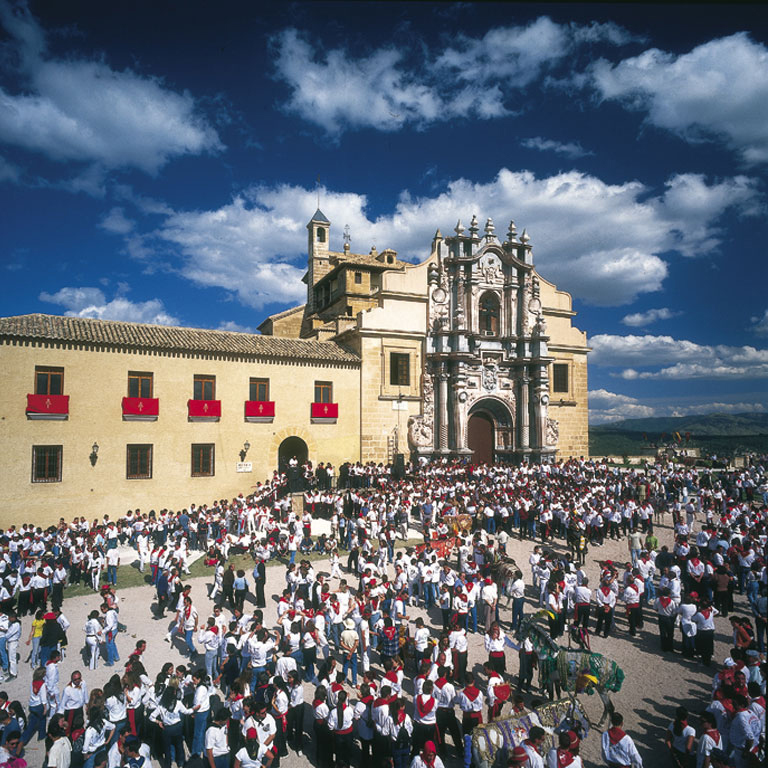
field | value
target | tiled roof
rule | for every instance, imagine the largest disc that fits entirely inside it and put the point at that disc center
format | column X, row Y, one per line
column 162, row 337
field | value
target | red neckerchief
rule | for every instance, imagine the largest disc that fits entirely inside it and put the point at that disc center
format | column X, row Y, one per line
column 471, row 692
column 605, row 590
column 336, row 687
column 392, row 676
column 366, row 699
column 564, row 758
column 440, row 682
column 706, row 612
column 37, row 685
column 422, row 707
column 665, row 601
column 714, row 734
column 390, row 632
column 615, row 734
column 401, row 717
column 317, row 702
column 531, row 745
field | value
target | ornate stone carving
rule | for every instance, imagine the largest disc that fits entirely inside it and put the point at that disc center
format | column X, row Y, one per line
column 553, row 431
column 490, row 377
column 421, row 428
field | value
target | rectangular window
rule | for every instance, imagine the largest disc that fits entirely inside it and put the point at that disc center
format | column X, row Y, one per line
column 323, row 392
column 560, row 377
column 400, row 369
column 203, row 460
column 138, row 464
column 46, row 463
column 204, row 388
column 358, row 278
column 49, row 381
column 139, row 384
column 259, row 390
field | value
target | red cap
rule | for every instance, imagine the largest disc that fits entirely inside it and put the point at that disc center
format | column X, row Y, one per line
column 518, row 755
column 251, row 733
column 430, row 747
column 574, row 740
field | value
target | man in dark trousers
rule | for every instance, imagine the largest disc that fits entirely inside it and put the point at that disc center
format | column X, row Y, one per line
column 163, row 593
column 228, row 586
column 259, row 579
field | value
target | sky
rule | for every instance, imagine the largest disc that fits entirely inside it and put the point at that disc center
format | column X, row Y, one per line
column 159, row 163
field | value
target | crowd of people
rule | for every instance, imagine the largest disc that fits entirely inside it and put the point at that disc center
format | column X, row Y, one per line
column 376, row 649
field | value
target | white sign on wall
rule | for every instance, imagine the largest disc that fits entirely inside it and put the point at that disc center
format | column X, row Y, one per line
column 244, row 466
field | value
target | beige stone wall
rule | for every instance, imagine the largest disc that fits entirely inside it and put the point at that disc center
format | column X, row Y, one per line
column 96, row 382
column 570, row 409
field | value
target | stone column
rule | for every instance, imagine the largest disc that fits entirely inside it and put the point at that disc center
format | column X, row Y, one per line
column 525, row 436
column 443, row 433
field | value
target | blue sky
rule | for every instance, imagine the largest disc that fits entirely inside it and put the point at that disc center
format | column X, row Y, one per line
column 159, row 163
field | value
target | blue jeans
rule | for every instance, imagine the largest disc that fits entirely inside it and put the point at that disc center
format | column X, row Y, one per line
column 112, row 655
column 517, row 611
column 490, row 524
column 473, row 614
column 210, row 662
column 352, row 661
column 36, row 722
column 112, row 574
column 3, row 653
column 198, row 739
column 190, row 643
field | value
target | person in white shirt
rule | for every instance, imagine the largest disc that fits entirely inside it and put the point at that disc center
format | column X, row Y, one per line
column 617, row 747
column 201, row 707
column 168, row 715
column 427, row 758
column 97, row 734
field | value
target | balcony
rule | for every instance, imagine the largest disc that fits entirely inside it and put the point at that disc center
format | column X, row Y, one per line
column 324, row 413
column 259, row 411
column 203, row 410
column 48, row 407
column 141, row 408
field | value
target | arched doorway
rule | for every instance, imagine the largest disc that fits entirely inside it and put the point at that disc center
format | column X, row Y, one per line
column 290, row 447
column 480, row 438
column 490, row 430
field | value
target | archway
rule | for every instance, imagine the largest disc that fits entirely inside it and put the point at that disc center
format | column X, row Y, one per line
column 490, row 430
column 290, row 447
column 481, row 437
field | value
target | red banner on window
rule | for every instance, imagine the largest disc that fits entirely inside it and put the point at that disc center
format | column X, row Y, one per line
column 325, row 411
column 204, row 409
column 48, row 404
column 141, row 406
column 259, row 409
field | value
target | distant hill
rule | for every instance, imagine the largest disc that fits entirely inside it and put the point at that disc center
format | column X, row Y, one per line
column 708, row 425
column 713, row 434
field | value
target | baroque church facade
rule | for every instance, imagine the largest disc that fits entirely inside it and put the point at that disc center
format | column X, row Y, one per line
column 470, row 353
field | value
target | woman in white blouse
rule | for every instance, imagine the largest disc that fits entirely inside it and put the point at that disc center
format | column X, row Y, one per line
column 202, row 708
column 93, row 636
column 97, row 733
column 115, row 703
column 168, row 717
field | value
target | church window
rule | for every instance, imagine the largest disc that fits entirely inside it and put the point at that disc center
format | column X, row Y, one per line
column 320, row 235
column 560, row 377
column 358, row 278
column 203, row 460
column 204, row 388
column 46, row 463
column 259, row 390
column 323, row 392
column 139, row 384
column 489, row 314
column 138, row 463
column 399, row 369
column 49, row 381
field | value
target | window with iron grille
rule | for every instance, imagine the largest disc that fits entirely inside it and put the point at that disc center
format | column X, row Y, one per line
column 203, row 460
column 560, row 377
column 138, row 464
column 46, row 463
column 399, row 369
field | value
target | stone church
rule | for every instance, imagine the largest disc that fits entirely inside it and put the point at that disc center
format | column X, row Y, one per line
column 470, row 353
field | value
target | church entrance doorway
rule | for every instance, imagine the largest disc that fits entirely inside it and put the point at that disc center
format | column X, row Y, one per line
column 481, row 438
column 292, row 447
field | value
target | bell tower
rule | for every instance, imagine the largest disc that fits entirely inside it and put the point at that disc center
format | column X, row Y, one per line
column 318, row 264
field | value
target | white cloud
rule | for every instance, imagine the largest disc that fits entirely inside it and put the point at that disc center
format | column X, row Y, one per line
column 719, row 90
column 84, row 111
column 91, row 302
column 569, row 149
column 605, row 406
column 640, row 319
column 676, row 358
column 116, row 222
column 603, row 242
column 231, row 325
column 8, row 171
column 760, row 324
column 392, row 87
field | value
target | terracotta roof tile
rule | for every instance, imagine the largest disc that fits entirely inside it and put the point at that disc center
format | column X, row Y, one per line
column 161, row 337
